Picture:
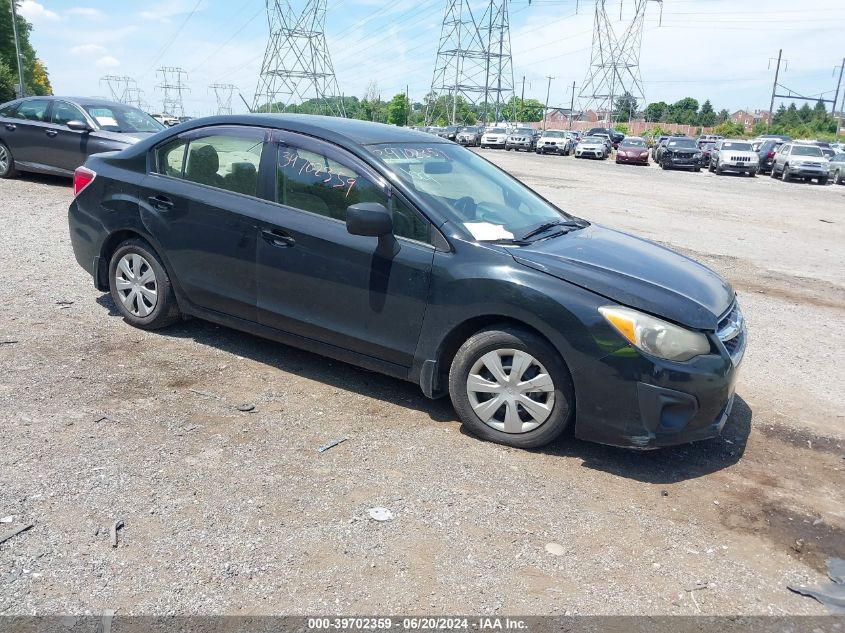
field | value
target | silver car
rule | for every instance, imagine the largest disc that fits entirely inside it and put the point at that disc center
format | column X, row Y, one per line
column 837, row 168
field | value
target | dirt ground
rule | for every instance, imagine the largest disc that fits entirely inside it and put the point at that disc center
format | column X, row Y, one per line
column 232, row 512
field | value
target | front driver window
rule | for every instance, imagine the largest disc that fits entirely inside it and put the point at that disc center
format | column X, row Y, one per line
column 313, row 182
column 64, row 113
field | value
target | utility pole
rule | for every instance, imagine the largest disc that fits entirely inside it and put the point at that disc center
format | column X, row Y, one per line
column 408, row 103
column 836, row 98
column 774, row 90
column 546, row 107
column 522, row 98
column 22, row 90
column 572, row 106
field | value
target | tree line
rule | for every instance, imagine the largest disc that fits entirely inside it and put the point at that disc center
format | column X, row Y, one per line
column 35, row 76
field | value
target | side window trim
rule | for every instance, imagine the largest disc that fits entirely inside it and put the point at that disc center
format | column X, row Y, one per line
column 344, row 157
column 57, row 102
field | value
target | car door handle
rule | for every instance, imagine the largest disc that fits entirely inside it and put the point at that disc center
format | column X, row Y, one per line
column 11, row 127
column 51, row 133
column 162, row 203
column 277, row 237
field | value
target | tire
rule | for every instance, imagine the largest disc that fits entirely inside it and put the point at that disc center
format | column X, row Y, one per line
column 664, row 165
column 837, row 177
column 752, row 173
column 7, row 163
column 785, row 173
column 773, row 173
column 504, row 339
column 131, row 258
column 823, row 181
column 696, row 169
column 718, row 169
column 710, row 167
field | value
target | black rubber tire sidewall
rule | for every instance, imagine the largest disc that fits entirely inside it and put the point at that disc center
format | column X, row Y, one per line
column 166, row 311
column 10, row 172
column 512, row 338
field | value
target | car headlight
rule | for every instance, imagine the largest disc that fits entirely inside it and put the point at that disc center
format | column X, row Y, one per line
column 698, row 154
column 655, row 336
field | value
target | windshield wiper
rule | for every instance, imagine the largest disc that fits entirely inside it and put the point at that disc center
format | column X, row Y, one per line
column 509, row 241
column 550, row 225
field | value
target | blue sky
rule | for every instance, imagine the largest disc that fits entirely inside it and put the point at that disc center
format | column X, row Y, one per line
column 717, row 49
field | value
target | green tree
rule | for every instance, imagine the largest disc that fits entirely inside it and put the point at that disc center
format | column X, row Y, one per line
column 805, row 113
column 820, row 111
column 35, row 75
column 655, row 111
column 684, row 111
column 7, row 83
column 625, row 107
column 398, row 109
column 707, row 116
column 723, row 116
column 729, row 129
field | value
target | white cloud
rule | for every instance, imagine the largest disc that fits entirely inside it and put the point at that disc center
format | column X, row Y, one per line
column 86, row 12
column 87, row 49
column 107, row 62
column 37, row 13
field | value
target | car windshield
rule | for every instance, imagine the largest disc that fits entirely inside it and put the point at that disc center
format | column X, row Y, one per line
column 807, row 150
column 495, row 130
column 682, row 143
column 554, row 135
column 592, row 139
column 115, row 118
column 523, row 131
column 489, row 203
column 633, row 142
column 470, row 130
column 736, row 147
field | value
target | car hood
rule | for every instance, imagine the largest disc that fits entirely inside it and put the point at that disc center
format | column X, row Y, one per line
column 125, row 137
column 590, row 145
column 633, row 272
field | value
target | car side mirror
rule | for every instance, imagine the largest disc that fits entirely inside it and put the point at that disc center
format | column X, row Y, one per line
column 369, row 218
column 79, row 126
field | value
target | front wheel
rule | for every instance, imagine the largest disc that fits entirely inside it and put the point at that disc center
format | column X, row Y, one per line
column 511, row 387
column 7, row 163
column 140, row 287
column 823, row 181
column 785, row 174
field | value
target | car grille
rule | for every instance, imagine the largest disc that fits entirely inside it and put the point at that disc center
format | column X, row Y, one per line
column 809, row 164
column 740, row 159
column 731, row 331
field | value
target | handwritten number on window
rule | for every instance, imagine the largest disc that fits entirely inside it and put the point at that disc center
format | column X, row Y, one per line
column 291, row 161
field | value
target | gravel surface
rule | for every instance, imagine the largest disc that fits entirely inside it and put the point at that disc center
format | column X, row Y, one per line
column 231, row 511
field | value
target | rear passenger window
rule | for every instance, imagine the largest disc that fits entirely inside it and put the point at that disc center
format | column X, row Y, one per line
column 314, row 182
column 229, row 160
column 33, row 110
column 9, row 110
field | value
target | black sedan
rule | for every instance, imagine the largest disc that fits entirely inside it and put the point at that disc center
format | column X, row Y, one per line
column 54, row 135
column 410, row 255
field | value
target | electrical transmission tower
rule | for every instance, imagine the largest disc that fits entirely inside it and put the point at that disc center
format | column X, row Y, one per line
column 473, row 62
column 615, row 60
column 297, row 66
column 122, row 89
column 172, row 86
column 223, row 93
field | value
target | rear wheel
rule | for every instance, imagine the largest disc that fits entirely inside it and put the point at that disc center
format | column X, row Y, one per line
column 7, row 163
column 140, row 286
column 785, row 173
column 510, row 386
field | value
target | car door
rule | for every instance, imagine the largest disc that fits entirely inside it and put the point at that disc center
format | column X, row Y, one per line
column 320, row 282
column 28, row 133
column 68, row 148
column 199, row 201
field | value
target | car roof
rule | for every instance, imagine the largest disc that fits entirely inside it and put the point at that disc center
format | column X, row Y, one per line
column 81, row 101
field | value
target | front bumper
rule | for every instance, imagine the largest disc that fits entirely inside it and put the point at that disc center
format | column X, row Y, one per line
column 526, row 145
column 740, row 166
column 493, row 142
column 803, row 171
column 551, row 149
column 683, row 161
column 591, row 153
column 640, row 160
column 467, row 141
column 656, row 403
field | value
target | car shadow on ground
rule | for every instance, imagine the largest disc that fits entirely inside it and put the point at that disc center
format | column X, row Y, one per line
column 663, row 466
column 60, row 182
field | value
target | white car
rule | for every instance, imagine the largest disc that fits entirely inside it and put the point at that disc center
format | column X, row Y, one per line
column 734, row 155
column 591, row 147
column 166, row 119
column 554, row 142
column 494, row 137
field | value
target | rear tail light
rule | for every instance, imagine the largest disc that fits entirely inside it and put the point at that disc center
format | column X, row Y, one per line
column 82, row 177
column 770, row 155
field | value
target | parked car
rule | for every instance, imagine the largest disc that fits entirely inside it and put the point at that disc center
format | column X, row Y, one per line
column 706, row 150
column 555, row 142
column 736, row 156
column 591, row 147
column 778, row 137
column 615, row 136
column 766, row 151
column 837, row 169
column 494, row 137
column 470, row 136
column 709, row 138
column 520, row 138
column 679, row 152
column 166, row 119
column 54, row 135
column 801, row 160
column 660, row 141
column 448, row 132
column 608, row 144
column 632, row 150
column 411, row 256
